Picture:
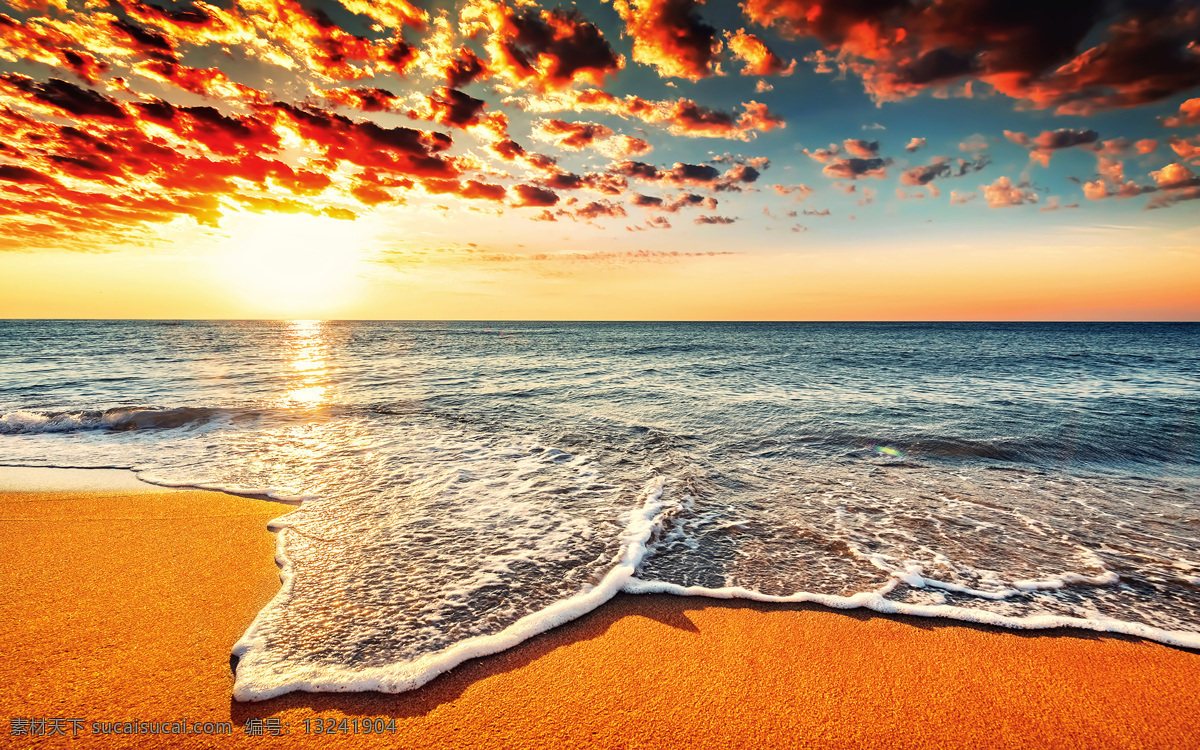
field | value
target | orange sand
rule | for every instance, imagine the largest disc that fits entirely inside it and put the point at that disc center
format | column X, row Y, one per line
column 125, row 606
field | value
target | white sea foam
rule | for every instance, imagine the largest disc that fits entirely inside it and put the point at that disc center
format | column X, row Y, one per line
column 876, row 601
column 260, row 676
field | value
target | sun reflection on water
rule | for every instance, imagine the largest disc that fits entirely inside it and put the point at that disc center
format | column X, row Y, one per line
column 308, row 354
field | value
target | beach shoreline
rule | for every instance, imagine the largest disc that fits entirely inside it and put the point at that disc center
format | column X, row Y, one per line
column 126, row 605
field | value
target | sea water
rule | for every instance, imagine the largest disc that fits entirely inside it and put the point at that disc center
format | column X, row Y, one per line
column 455, row 488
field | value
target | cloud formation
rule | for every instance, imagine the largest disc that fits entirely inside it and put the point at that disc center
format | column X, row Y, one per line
column 1002, row 193
column 758, row 58
column 670, row 36
column 1043, row 146
column 1036, row 53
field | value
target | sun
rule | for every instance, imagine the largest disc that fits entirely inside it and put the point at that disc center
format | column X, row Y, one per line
column 293, row 265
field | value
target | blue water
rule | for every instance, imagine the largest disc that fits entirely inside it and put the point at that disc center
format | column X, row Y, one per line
column 462, row 485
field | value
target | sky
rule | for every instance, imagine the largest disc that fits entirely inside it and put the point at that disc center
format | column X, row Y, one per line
column 600, row 160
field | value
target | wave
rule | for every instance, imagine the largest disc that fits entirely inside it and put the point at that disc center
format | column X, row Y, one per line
column 128, row 418
column 260, row 677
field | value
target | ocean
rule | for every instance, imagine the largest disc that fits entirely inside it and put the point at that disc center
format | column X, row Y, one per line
column 448, row 490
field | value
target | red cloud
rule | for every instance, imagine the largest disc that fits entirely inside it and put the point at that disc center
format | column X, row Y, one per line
column 531, row 195
column 573, row 136
column 1044, row 145
column 454, row 108
column 40, row 43
column 759, row 59
column 1188, row 149
column 1028, row 52
column 24, row 175
column 365, row 99
column 668, row 35
column 541, row 49
column 608, row 184
column 597, row 209
column 681, row 116
column 1189, row 114
column 464, row 68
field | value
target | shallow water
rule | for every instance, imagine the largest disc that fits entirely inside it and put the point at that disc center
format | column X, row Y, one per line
column 462, row 486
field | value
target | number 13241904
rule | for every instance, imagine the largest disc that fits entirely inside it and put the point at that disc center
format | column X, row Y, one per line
column 349, row 726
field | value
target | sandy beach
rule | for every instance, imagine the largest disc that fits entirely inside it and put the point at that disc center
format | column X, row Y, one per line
column 123, row 606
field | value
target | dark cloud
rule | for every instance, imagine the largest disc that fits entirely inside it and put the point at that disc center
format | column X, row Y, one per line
column 367, row 99
column 943, row 167
column 1042, row 147
column 531, row 195
column 853, row 169
column 149, row 43
column 24, row 175
column 454, row 108
column 669, row 35
column 1076, row 57
column 636, row 169
column 66, row 97
column 542, row 49
column 464, row 68
column 599, row 209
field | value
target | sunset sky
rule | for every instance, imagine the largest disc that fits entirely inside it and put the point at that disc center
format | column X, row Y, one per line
column 600, row 160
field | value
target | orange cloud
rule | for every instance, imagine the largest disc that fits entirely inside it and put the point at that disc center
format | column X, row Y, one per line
column 800, row 191
column 38, row 42
column 1189, row 114
column 1046, row 143
column 860, row 148
column 1003, row 193
column 572, row 136
column 1187, row 149
column 541, row 49
column 759, row 59
column 671, row 37
column 624, row 147
column 531, row 195
column 680, row 117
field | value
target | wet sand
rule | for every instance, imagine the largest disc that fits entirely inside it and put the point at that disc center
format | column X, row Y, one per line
column 124, row 605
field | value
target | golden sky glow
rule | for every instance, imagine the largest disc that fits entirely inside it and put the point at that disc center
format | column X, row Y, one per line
column 644, row 159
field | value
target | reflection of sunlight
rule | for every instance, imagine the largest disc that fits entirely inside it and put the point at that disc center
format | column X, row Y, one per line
column 307, row 354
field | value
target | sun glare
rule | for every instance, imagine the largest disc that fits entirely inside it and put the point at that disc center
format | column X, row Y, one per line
column 289, row 265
